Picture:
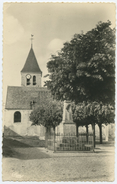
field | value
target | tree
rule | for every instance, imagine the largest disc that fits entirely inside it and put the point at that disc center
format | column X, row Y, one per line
column 92, row 113
column 105, row 115
column 84, row 69
column 49, row 114
column 83, row 115
column 79, row 117
column 98, row 113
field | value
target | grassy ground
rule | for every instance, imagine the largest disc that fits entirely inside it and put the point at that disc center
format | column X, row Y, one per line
column 24, row 162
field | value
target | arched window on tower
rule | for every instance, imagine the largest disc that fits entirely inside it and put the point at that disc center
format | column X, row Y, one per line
column 34, row 80
column 28, row 81
column 17, row 117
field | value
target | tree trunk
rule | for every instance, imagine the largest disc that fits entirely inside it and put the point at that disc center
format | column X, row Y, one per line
column 87, row 133
column 54, row 138
column 46, row 138
column 100, row 132
column 76, row 130
column 93, row 128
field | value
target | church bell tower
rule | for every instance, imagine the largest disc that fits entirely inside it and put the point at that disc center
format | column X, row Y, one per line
column 31, row 73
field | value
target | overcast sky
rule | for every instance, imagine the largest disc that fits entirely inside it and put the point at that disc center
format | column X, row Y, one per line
column 52, row 24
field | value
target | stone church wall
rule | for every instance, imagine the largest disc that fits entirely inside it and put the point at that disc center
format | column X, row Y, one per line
column 22, row 128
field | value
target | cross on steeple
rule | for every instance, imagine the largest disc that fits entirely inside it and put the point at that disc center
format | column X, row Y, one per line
column 32, row 40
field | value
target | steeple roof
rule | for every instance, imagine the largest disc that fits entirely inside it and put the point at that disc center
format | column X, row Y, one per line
column 31, row 64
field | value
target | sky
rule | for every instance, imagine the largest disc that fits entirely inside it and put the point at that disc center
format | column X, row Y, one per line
column 52, row 24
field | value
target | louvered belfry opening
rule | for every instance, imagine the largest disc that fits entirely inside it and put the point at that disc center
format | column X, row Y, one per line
column 28, row 82
column 34, row 80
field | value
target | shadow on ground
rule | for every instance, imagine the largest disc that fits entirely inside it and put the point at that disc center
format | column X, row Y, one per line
column 109, row 143
column 17, row 149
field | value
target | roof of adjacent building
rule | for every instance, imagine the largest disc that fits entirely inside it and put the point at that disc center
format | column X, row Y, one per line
column 31, row 64
column 21, row 97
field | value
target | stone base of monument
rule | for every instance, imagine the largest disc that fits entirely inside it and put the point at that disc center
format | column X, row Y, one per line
column 66, row 128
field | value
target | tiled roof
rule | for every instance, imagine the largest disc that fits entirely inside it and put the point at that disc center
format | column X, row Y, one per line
column 31, row 64
column 21, row 97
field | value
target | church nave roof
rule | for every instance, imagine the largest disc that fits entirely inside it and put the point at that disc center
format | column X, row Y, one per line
column 21, row 97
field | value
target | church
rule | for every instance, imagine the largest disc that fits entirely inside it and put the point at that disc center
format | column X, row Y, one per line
column 21, row 100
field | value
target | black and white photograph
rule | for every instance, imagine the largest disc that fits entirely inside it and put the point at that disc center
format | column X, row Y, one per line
column 58, row 98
